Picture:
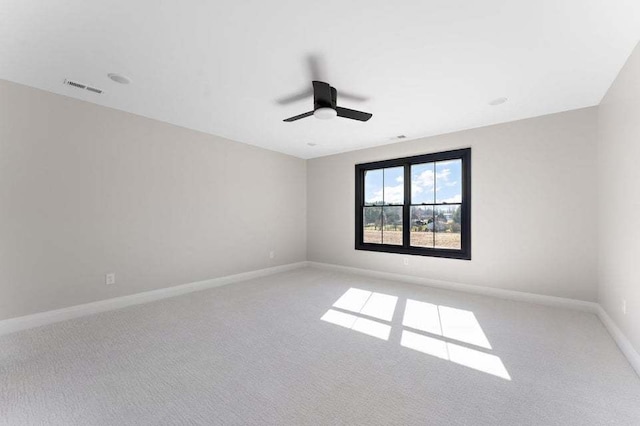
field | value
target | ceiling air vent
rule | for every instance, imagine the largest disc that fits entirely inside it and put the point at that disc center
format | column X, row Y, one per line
column 75, row 84
column 82, row 86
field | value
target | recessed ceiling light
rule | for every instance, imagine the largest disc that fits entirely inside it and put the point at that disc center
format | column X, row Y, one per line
column 311, row 144
column 119, row 78
column 498, row 101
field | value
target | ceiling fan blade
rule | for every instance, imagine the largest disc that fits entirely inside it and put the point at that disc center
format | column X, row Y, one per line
column 353, row 114
column 321, row 94
column 314, row 62
column 286, row 100
column 298, row 117
column 352, row 96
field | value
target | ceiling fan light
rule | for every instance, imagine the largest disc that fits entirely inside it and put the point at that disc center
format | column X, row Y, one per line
column 325, row 113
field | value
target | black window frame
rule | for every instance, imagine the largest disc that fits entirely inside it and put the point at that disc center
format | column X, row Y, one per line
column 465, row 229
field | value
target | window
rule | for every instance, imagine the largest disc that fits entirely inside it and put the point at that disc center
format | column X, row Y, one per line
column 416, row 205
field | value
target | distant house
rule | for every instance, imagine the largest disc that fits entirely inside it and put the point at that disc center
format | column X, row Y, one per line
column 440, row 225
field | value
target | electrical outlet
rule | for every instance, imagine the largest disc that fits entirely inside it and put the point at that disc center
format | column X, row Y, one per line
column 110, row 279
column 272, row 254
column 405, row 260
column 624, row 306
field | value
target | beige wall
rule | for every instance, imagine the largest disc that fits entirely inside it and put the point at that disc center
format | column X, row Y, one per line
column 534, row 207
column 619, row 236
column 86, row 190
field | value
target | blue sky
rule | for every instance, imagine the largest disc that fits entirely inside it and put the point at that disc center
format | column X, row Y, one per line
column 443, row 178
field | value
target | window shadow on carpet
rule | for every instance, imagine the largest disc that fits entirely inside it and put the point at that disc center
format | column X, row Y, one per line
column 443, row 332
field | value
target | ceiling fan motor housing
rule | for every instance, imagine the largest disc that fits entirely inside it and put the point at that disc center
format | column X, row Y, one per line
column 320, row 102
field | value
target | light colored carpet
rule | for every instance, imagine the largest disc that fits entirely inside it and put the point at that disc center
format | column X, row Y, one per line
column 260, row 352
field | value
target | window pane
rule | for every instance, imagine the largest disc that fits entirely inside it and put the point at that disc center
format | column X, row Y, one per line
column 447, row 227
column 392, row 220
column 422, row 183
column 372, row 224
column 449, row 181
column 422, row 226
column 373, row 187
column 394, row 185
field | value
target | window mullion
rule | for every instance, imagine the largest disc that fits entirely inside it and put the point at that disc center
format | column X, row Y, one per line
column 406, row 208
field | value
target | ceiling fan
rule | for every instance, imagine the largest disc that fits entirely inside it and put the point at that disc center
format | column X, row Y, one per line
column 324, row 105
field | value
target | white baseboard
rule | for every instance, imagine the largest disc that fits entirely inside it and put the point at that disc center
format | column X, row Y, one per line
column 621, row 340
column 12, row 325
column 467, row 288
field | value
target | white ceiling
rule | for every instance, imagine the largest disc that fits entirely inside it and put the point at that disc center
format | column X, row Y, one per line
column 425, row 66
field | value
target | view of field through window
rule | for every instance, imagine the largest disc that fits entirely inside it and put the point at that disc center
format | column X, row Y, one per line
column 435, row 210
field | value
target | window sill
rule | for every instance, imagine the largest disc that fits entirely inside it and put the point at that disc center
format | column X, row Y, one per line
column 416, row 251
